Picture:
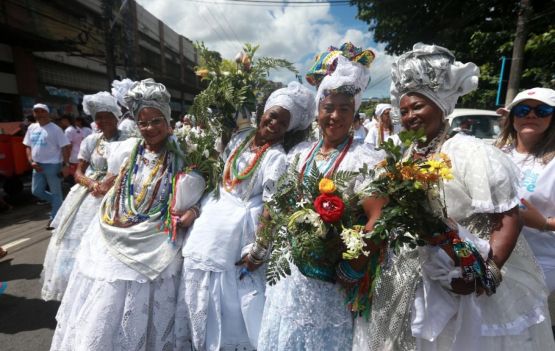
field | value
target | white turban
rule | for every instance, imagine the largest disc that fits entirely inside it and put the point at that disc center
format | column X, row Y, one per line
column 148, row 93
column 381, row 108
column 298, row 100
column 349, row 77
column 120, row 89
column 432, row 71
column 100, row 102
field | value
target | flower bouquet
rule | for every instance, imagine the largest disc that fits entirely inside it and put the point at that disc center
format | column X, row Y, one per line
column 315, row 222
column 414, row 215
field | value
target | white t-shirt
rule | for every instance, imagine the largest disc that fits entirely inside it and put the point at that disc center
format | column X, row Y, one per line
column 46, row 142
column 537, row 185
column 360, row 134
column 372, row 137
column 75, row 136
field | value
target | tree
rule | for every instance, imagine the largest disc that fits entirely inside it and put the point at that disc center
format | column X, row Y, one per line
column 480, row 31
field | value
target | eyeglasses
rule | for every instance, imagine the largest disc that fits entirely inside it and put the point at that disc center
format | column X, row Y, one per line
column 155, row 122
column 542, row 111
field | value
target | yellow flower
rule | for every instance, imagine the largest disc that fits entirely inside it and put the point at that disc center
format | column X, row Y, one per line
column 203, row 73
column 446, row 173
column 326, row 186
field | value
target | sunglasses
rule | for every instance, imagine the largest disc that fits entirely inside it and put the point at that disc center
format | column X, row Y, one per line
column 541, row 111
column 155, row 122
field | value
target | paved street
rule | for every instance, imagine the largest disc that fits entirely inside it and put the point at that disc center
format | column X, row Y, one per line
column 26, row 321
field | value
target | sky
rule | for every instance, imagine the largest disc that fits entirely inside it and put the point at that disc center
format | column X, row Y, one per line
column 295, row 33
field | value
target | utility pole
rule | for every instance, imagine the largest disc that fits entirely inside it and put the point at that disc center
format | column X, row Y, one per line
column 107, row 18
column 524, row 12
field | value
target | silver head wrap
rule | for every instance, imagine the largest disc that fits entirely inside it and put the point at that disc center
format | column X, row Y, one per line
column 298, row 100
column 100, row 102
column 349, row 77
column 120, row 89
column 381, row 108
column 148, row 93
column 432, row 71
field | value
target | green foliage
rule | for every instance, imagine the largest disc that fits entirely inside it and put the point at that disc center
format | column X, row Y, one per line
column 232, row 86
column 475, row 30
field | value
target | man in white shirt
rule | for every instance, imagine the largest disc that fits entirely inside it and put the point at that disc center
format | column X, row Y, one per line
column 75, row 136
column 47, row 147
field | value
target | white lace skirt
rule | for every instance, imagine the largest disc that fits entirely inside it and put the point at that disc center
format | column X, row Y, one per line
column 103, row 310
column 302, row 313
column 60, row 255
column 217, row 311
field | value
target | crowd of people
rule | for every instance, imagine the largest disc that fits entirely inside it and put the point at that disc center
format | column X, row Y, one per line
column 142, row 257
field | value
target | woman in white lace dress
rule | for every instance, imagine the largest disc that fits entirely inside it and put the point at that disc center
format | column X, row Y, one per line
column 122, row 292
column 528, row 138
column 83, row 201
column 222, row 292
column 307, row 309
column 420, row 301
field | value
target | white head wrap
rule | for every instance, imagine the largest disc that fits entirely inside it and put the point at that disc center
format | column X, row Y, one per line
column 120, row 89
column 381, row 108
column 100, row 102
column 432, row 71
column 148, row 93
column 298, row 100
column 349, row 77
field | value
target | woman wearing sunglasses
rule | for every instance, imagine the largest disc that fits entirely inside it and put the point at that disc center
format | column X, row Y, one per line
column 528, row 138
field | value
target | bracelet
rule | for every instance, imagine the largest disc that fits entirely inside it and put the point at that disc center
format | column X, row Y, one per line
column 546, row 224
column 254, row 260
column 346, row 273
column 196, row 211
column 495, row 272
column 258, row 251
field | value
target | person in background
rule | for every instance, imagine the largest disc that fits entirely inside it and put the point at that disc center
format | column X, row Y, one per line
column 528, row 138
column 359, row 131
column 127, row 123
column 75, row 136
column 81, row 122
column 384, row 127
column 81, row 204
column 48, row 151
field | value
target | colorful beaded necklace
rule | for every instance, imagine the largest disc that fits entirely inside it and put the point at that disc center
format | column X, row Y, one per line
column 128, row 209
column 231, row 164
column 333, row 163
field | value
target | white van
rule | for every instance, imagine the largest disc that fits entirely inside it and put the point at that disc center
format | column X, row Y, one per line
column 483, row 124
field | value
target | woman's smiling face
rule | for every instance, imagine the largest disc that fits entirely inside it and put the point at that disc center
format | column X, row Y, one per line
column 335, row 116
column 419, row 112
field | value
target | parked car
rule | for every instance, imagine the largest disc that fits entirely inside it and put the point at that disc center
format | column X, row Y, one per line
column 483, row 124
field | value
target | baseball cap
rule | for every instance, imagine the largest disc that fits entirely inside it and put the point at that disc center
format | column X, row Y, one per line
column 42, row 107
column 547, row 96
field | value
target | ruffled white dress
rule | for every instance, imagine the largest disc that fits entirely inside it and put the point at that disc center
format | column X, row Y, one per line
column 112, row 305
column 216, row 310
column 537, row 185
column 303, row 313
column 73, row 219
column 412, row 306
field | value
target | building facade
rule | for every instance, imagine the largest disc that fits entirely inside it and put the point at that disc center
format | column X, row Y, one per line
column 56, row 51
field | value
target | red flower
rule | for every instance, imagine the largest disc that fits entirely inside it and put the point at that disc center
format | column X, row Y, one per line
column 329, row 207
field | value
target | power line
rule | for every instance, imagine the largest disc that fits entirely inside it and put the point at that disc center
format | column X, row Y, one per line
column 221, row 37
column 272, row 3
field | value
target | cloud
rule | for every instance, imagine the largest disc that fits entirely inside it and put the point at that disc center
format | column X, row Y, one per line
column 293, row 33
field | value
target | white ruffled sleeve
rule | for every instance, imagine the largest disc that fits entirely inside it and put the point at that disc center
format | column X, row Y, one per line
column 118, row 152
column 189, row 188
column 486, row 180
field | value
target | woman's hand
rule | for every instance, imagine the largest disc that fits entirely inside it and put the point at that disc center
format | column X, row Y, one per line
column 187, row 219
column 462, row 287
column 532, row 217
column 248, row 266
